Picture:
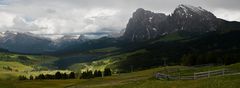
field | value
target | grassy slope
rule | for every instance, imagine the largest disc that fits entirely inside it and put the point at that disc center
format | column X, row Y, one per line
column 140, row 79
column 215, row 82
column 33, row 60
column 35, row 65
column 17, row 69
column 14, row 66
column 104, row 50
column 103, row 63
column 21, row 69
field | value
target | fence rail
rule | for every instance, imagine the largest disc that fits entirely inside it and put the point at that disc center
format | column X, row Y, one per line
column 209, row 73
column 197, row 75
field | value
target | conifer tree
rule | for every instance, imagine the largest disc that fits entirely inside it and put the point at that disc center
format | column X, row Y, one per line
column 107, row 72
column 58, row 75
column 31, row 77
column 72, row 75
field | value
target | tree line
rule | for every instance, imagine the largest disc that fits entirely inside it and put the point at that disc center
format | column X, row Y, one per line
column 58, row 75
column 97, row 73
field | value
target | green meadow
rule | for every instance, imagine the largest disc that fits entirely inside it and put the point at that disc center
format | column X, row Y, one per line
column 139, row 79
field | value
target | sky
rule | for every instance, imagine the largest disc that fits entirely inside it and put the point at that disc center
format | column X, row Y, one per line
column 94, row 16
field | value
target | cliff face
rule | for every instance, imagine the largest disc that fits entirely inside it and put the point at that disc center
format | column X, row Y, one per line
column 145, row 25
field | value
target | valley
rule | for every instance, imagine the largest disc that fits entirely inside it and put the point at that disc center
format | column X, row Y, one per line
column 188, row 41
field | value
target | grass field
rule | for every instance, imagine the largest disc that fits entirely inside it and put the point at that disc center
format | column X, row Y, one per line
column 140, row 79
column 30, row 60
column 107, row 62
column 11, row 70
column 12, row 65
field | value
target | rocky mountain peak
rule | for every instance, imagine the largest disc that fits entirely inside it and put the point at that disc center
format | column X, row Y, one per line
column 188, row 11
column 145, row 25
column 140, row 10
column 186, row 8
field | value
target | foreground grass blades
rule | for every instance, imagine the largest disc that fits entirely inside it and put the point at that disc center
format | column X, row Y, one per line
column 114, row 82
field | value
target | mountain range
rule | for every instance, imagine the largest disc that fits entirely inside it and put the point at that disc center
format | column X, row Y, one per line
column 143, row 26
column 35, row 44
column 188, row 36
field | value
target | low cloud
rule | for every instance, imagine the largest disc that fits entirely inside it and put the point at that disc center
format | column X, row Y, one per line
column 230, row 15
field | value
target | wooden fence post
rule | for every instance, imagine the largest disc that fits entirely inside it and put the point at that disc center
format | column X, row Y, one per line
column 179, row 75
column 223, row 71
column 194, row 76
column 208, row 73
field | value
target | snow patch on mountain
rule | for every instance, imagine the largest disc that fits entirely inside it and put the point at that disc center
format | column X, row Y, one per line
column 150, row 19
column 186, row 8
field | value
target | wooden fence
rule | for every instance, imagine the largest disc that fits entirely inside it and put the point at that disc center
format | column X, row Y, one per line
column 197, row 75
column 209, row 73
